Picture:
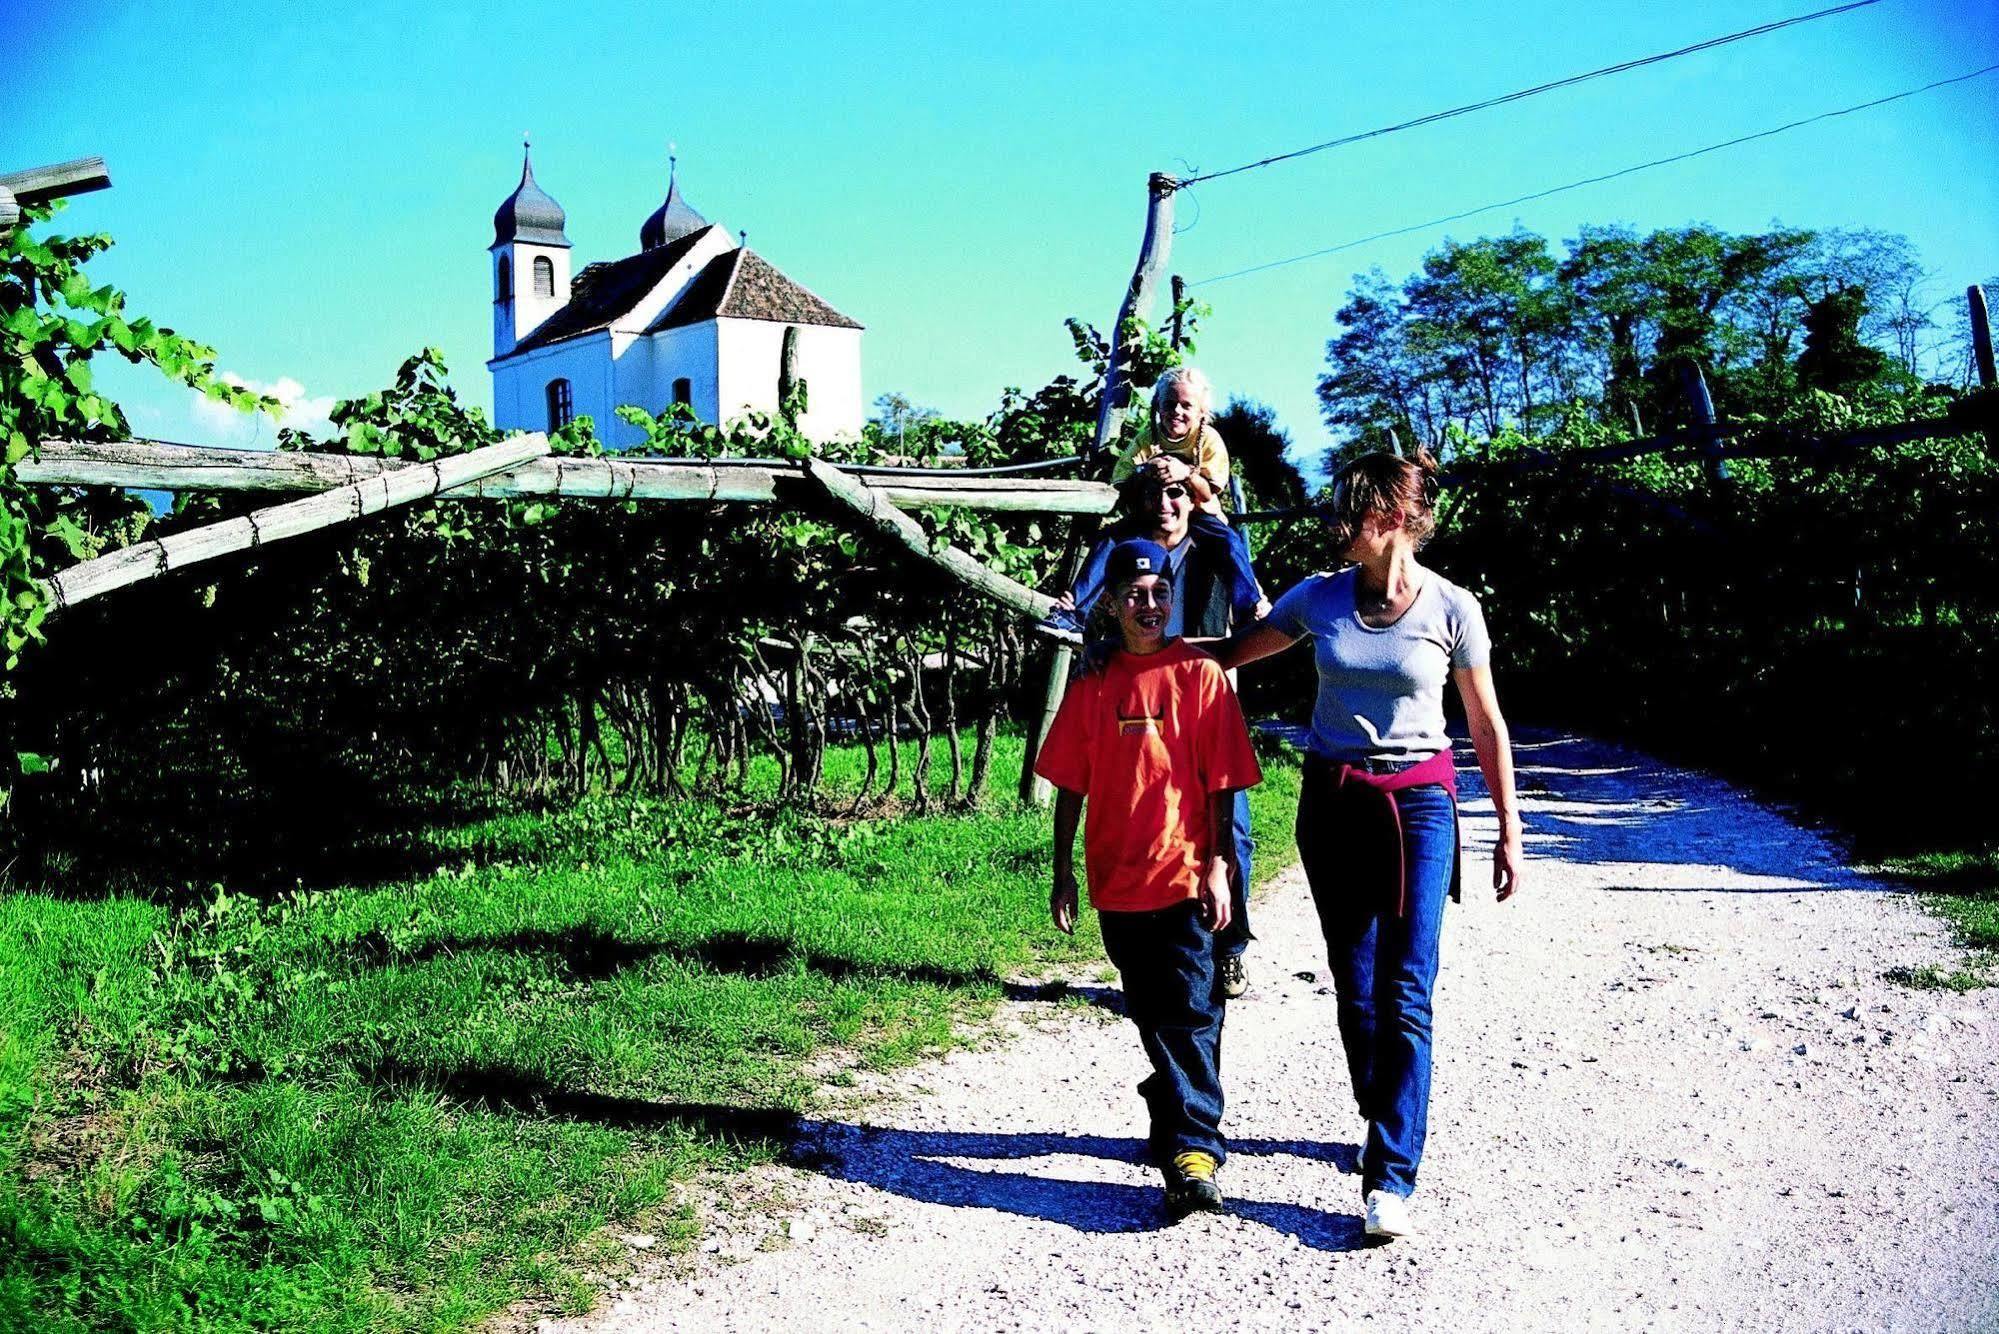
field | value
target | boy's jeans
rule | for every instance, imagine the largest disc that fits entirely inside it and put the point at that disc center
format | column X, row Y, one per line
column 1384, row 970
column 1166, row 960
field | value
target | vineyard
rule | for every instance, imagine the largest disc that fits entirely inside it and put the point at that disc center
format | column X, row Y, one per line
column 712, row 786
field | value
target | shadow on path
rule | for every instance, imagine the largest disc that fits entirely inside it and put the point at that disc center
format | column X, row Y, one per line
column 1592, row 802
column 912, row 1163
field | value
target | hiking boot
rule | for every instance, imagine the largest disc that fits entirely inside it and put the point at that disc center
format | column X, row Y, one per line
column 1234, row 981
column 1388, row 1215
column 1190, row 1184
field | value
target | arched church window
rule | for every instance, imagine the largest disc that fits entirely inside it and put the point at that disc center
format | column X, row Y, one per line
column 544, row 276
column 683, row 390
column 503, row 284
column 560, row 408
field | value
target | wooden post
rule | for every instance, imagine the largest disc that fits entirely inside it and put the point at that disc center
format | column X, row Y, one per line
column 1981, row 336
column 1152, row 252
column 38, row 185
column 1179, row 298
column 148, row 560
column 787, row 376
column 1694, row 385
column 882, row 515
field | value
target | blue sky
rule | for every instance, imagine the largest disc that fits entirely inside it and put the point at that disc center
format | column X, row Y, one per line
column 310, row 188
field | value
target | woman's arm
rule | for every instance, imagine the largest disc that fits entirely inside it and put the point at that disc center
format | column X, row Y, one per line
column 1248, row 645
column 1495, row 760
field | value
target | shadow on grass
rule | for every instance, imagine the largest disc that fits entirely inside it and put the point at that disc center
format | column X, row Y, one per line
column 915, row 1164
column 590, row 954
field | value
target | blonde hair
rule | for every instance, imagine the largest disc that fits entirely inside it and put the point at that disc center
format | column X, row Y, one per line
column 1195, row 383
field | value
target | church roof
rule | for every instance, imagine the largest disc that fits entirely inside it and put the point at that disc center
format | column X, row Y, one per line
column 671, row 220
column 741, row 284
column 529, row 213
column 604, row 292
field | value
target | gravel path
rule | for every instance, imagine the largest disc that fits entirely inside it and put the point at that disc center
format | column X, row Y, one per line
column 1672, row 1091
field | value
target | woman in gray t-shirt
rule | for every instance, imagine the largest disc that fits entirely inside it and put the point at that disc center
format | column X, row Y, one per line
column 1377, row 818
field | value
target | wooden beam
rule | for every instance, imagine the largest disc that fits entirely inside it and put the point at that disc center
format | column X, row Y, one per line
column 38, row 185
column 882, row 515
column 154, row 467
column 1153, row 248
column 148, row 560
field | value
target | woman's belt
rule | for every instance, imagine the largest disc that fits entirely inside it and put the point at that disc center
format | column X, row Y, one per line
column 1375, row 783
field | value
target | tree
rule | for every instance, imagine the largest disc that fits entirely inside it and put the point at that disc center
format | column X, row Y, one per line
column 896, row 414
column 1259, row 453
column 1835, row 359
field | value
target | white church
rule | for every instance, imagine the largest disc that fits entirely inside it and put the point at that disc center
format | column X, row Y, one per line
column 694, row 317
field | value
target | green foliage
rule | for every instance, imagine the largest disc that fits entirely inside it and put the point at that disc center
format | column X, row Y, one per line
column 53, row 321
column 1502, row 331
column 411, row 1105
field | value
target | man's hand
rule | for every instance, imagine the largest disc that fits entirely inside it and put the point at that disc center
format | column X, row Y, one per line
column 1062, row 900
column 1217, row 904
column 1506, row 860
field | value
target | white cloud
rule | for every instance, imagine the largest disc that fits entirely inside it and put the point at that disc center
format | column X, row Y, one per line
column 222, row 425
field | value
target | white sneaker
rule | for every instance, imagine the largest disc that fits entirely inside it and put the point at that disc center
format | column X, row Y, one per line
column 1388, row 1215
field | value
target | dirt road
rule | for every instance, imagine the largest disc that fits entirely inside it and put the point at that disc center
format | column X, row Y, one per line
column 1672, row 1091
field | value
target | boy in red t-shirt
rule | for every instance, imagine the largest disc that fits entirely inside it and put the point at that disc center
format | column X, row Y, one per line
column 1156, row 743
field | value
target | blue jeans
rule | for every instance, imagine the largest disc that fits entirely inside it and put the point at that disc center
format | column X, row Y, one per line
column 1384, row 967
column 1166, row 961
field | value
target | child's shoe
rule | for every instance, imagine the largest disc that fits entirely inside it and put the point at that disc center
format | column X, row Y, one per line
column 1190, row 1184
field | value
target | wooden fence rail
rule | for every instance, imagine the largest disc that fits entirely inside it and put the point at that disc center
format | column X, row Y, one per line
column 149, row 466
column 370, row 495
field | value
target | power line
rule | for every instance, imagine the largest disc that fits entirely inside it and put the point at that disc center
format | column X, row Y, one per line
column 1593, row 180
column 1535, row 91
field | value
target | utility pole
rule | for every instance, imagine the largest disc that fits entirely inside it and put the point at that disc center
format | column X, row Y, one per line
column 1981, row 336
column 1152, row 252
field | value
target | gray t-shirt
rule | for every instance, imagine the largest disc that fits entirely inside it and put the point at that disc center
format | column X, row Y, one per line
column 1381, row 691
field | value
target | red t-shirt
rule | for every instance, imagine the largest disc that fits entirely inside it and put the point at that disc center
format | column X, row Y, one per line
column 1146, row 741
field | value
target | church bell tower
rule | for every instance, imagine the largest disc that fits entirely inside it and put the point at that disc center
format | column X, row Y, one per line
column 530, row 261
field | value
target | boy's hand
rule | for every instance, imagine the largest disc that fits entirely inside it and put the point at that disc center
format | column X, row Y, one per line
column 1217, row 904
column 1062, row 900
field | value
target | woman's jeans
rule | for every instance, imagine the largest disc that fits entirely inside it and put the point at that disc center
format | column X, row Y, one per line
column 1384, row 967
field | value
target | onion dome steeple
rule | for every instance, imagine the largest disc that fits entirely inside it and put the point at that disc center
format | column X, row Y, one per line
column 673, row 219
column 529, row 214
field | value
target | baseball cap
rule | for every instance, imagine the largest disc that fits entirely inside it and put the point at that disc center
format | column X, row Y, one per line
column 1134, row 557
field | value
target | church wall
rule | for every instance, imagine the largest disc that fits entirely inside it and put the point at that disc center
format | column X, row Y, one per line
column 829, row 361
column 647, row 366
column 520, row 385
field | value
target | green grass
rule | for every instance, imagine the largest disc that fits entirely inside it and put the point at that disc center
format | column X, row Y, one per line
column 409, row 1105
column 1962, row 887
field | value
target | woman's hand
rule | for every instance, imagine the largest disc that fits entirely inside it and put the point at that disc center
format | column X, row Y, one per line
column 1494, row 745
column 1506, row 861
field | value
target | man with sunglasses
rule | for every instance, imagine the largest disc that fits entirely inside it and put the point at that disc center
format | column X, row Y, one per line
column 1212, row 597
